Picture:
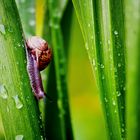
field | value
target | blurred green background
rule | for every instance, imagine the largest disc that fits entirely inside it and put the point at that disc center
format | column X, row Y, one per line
column 87, row 116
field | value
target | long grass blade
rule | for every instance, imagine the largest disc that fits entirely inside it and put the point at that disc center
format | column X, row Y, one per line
column 58, row 123
column 102, row 26
column 19, row 111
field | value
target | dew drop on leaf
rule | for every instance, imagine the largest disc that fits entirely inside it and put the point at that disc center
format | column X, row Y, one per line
column 31, row 22
column 118, row 93
column 2, row 29
column 103, row 77
column 108, row 42
column 3, row 92
column 19, row 137
column 41, row 137
column 119, row 54
column 18, row 103
column 119, row 65
column 106, row 100
column 102, row 66
column 114, row 103
column 123, row 130
column 115, row 32
column 86, row 45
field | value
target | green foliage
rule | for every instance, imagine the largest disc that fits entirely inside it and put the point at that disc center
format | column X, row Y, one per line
column 103, row 32
column 109, row 28
column 58, row 123
column 27, row 12
column 18, row 107
column 132, row 15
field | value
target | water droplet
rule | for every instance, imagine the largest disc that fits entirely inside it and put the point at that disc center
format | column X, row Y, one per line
column 123, row 130
column 102, row 66
column 86, row 45
column 114, row 103
column 89, row 25
column 106, row 100
column 59, row 103
column 3, row 92
column 19, row 45
column 108, row 42
column 124, row 88
column 115, row 32
column 19, row 137
column 103, row 77
column 18, row 103
column 31, row 22
column 60, row 106
column 2, row 29
column 115, row 111
column 95, row 68
column 118, row 93
column 41, row 137
column 119, row 54
column 92, row 37
column 119, row 65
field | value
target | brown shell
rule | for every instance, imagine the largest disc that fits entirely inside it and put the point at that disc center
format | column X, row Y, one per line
column 45, row 59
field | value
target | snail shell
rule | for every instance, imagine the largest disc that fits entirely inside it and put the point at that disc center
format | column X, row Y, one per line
column 39, row 48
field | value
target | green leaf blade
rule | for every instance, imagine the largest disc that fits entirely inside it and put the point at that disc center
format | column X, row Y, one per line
column 19, row 111
column 57, row 75
column 102, row 47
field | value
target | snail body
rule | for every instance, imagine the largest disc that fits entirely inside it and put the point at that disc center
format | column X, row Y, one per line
column 38, row 58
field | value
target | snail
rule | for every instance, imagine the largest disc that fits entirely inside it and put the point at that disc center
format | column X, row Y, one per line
column 38, row 58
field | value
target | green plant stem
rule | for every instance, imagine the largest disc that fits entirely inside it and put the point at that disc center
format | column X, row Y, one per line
column 19, row 111
column 132, row 14
column 103, row 30
column 58, row 123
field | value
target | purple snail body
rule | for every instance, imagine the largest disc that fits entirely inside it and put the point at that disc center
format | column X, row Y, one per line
column 38, row 58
